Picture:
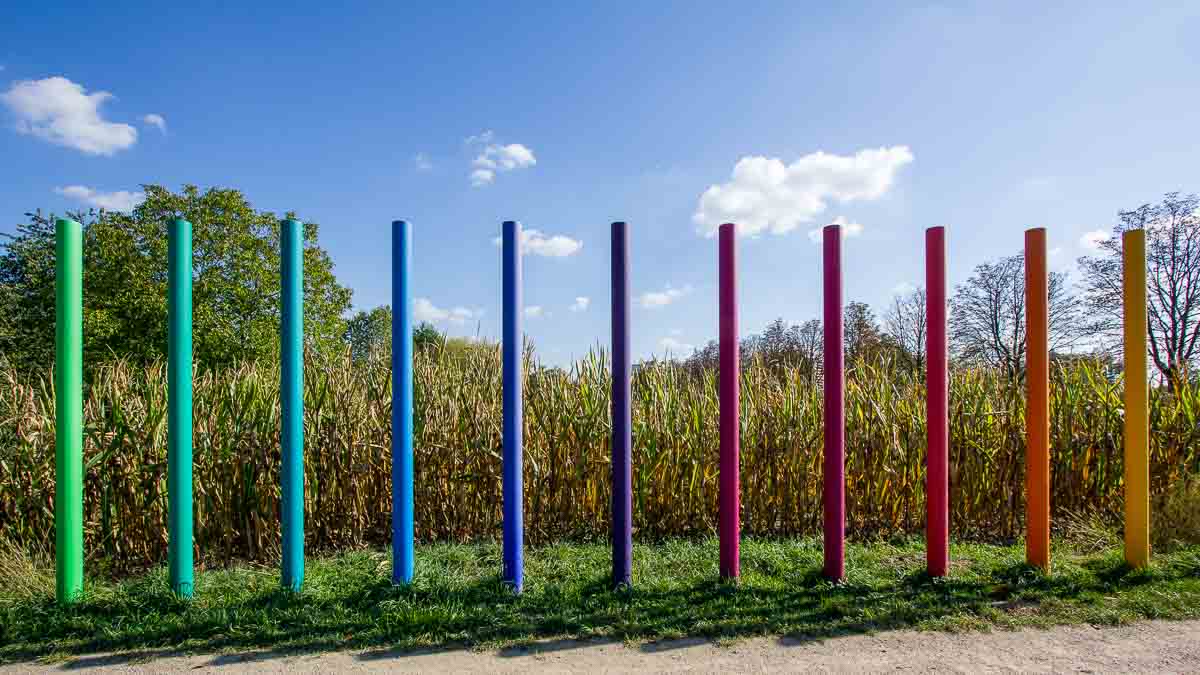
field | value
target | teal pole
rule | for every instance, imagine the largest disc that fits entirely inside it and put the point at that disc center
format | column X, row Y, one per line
column 292, row 402
column 179, row 406
column 68, row 411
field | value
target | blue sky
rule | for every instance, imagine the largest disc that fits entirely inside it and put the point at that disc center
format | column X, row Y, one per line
column 987, row 118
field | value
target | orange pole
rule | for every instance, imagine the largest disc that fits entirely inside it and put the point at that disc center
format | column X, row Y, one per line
column 1137, row 392
column 1037, row 419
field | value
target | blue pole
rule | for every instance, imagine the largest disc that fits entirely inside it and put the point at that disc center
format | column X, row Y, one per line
column 514, row 526
column 292, row 402
column 402, row 404
column 622, row 440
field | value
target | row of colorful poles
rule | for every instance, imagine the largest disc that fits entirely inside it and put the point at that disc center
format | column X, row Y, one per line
column 69, row 555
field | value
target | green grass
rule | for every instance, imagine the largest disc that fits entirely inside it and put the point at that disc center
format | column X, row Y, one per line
column 457, row 599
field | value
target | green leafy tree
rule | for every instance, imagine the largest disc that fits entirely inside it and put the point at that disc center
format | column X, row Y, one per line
column 369, row 333
column 236, row 282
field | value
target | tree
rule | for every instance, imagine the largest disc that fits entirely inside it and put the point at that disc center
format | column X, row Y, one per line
column 369, row 333
column 426, row 337
column 236, row 281
column 905, row 324
column 1173, row 284
column 987, row 319
column 861, row 330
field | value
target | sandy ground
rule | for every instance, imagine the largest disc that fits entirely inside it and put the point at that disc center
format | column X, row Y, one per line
column 1146, row 647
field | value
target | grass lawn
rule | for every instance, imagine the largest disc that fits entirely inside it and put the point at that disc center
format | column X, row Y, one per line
column 457, row 598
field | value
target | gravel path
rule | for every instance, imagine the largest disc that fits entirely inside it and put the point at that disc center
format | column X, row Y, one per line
column 1145, row 647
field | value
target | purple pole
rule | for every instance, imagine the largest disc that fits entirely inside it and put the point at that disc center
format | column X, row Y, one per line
column 835, row 409
column 730, row 495
column 622, row 415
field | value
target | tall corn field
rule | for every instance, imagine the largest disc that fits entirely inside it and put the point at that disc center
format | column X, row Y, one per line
column 458, row 448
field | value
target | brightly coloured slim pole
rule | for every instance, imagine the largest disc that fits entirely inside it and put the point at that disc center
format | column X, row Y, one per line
column 1037, row 419
column 179, row 406
column 514, row 524
column 68, row 404
column 622, row 414
column 292, row 399
column 1137, row 434
column 937, row 412
column 402, row 405
column 730, row 488
column 834, row 502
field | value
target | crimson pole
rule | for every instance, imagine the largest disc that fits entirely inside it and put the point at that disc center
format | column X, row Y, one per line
column 937, row 412
column 730, row 497
column 834, row 510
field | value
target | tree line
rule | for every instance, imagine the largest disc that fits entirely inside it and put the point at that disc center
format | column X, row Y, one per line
column 236, row 292
column 987, row 310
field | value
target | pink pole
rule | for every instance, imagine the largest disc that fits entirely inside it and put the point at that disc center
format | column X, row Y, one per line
column 835, row 410
column 937, row 413
column 730, row 496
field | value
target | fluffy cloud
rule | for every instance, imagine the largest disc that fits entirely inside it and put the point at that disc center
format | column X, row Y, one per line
column 157, row 121
column 495, row 158
column 425, row 310
column 422, row 162
column 581, row 304
column 903, row 288
column 673, row 347
column 534, row 242
column 122, row 200
column 766, row 195
column 535, row 312
column 1092, row 240
column 657, row 299
column 59, row 111
column 849, row 229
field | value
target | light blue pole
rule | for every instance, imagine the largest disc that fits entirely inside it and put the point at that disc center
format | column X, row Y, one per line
column 402, row 404
column 292, row 401
column 514, row 525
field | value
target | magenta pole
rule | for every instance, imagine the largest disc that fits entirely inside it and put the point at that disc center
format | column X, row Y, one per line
column 730, row 491
column 937, row 401
column 834, row 511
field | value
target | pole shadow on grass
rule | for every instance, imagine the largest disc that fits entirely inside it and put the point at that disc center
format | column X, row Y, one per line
column 366, row 612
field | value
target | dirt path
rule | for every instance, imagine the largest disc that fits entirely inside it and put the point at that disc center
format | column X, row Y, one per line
column 1145, row 647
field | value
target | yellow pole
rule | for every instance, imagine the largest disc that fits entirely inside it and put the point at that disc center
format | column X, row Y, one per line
column 1037, row 420
column 1137, row 434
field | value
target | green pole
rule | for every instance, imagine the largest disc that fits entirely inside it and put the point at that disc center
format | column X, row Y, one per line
column 179, row 401
column 68, row 408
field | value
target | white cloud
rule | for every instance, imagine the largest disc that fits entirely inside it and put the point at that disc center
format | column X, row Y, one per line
column 485, row 136
column 581, row 304
column 674, row 347
column 903, row 288
column 766, row 195
column 481, row 177
column 1056, row 251
column 425, row 310
column 422, row 162
column 535, row 312
column 157, row 121
column 1092, row 240
column 849, row 229
column 657, row 299
column 495, row 158
column 57, row 110
column 121, row 200
column 534, row 242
